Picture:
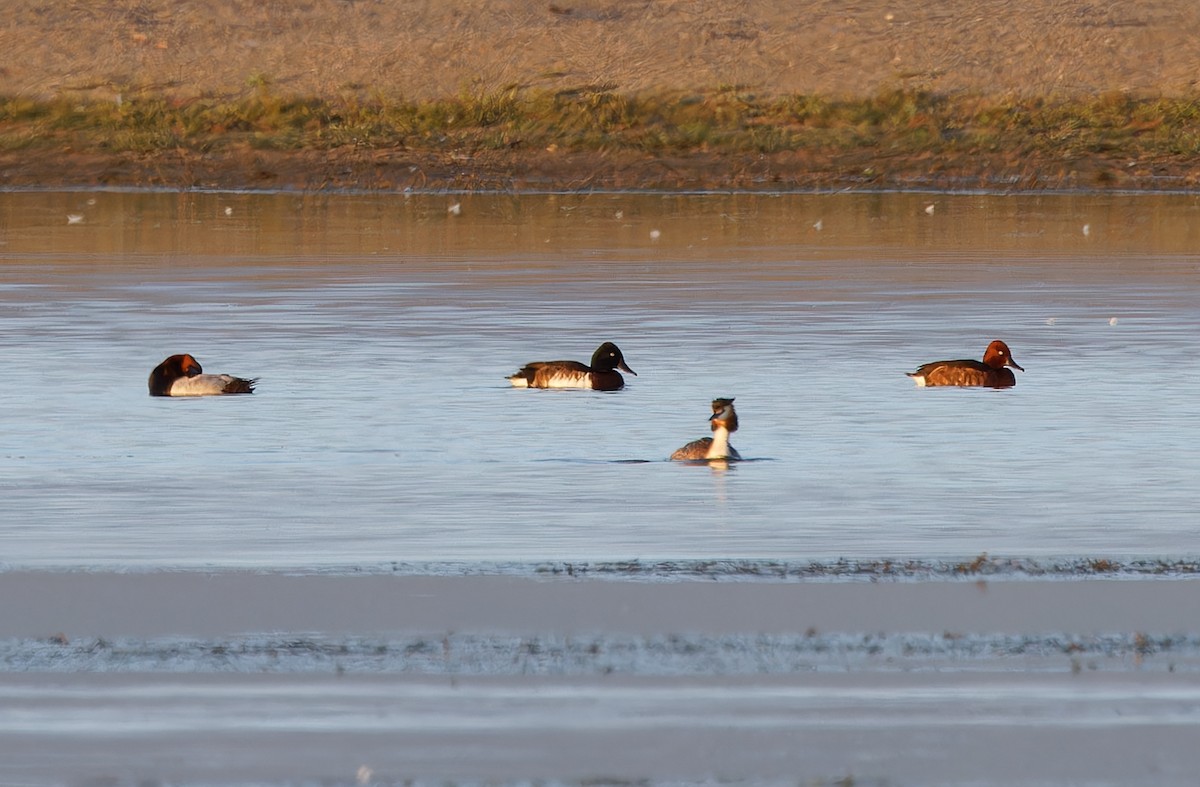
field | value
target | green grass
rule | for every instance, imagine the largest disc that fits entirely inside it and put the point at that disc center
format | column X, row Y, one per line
column 594, row 118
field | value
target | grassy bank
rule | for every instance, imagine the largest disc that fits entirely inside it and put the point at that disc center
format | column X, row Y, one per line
column 877, row 139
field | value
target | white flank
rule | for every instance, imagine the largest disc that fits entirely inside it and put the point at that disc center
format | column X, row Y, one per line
column 201, row 385
column 570, row 380
column 518, row 381
column 919, row 379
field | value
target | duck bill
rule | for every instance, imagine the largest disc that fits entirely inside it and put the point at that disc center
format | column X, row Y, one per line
column 625, row 368
column 1015, row 365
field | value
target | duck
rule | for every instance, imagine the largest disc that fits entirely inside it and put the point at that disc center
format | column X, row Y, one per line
column 990, row 373
column 724, row 421
column 601, row 375
column 182, row 375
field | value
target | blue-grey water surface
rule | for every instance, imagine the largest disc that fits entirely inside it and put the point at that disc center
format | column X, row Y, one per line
column 382, row 328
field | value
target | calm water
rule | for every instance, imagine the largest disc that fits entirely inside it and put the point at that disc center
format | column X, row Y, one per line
column 383, row 430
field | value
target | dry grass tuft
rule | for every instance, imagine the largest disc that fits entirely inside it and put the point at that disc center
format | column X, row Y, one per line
column 595, row 118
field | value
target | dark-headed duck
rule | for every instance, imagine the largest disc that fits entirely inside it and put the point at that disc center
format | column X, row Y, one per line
column 990, row 373
column 724, row 421
column 602, row 375
column 182, row 375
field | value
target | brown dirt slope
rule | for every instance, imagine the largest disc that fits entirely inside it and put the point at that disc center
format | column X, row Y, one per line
column 428, row 48
column 422, row 49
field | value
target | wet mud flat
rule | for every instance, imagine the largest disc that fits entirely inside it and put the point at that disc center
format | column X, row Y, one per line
column 186, row 677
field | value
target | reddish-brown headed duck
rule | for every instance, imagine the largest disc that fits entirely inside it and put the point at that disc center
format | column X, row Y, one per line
column 181, row 375
column 991, row 373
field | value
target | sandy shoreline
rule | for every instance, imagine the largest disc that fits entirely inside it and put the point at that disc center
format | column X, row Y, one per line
column 352, row 54
column 330, row 48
